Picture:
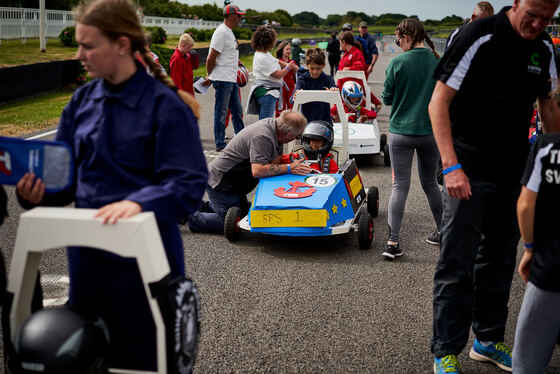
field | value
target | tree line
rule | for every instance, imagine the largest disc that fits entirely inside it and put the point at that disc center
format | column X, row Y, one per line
column 213, row 12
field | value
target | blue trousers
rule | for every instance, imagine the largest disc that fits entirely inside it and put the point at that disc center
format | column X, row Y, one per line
column 213, row 221
column 267, row 105
column 475, row 267
column 227, row 96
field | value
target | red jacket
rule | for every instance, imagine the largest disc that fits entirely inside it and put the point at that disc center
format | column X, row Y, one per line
column 352, row 118
column 333, row 167
column 181, row 67
column 288, row 87
column 353, row 59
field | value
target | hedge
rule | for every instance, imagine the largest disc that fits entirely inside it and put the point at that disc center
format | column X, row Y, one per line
column 159, row 36
column 164, row 55
column 68, row 37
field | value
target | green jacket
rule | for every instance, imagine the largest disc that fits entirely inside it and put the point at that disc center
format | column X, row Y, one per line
column 408, row 89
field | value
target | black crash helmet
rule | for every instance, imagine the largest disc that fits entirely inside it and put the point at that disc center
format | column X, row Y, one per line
column 317, row 130
column 61, row 341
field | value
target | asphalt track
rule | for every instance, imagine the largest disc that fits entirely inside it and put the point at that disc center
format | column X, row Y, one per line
column 309, row 305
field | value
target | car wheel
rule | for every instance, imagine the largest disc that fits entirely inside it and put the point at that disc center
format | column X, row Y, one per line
column 386, row 156
column 382, row 141
column 373, row 201
column 366, row 230
column 231, row 223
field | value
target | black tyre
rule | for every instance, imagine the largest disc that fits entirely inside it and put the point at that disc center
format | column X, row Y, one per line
column 373, row 201
column 231, row 227
column 386, row 156
column 366, row 230
column 382, row 141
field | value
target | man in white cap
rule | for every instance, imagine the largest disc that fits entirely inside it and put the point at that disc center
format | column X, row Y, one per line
column 221, row 65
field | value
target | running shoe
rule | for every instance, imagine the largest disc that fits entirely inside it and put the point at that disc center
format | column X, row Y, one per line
column 446, row 364
column 434, row 238
column 496, row 353
column 392, row 251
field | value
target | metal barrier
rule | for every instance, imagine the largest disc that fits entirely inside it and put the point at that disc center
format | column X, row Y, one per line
column 23, row 23
column 439, row 43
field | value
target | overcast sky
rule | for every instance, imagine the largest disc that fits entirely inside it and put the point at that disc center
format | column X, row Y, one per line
column 424, row 9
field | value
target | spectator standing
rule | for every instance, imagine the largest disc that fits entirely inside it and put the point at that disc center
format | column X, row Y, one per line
column 182, row 63
column 352, row 57
column 538, row 325
column 371, row 54
column 221, row 65
column 483, row 150
column 130, row 135
column 481, row 10
column 333, row 50
column 347, row 27
column 252, row 154
column 410, row 128
column 283, row 52
column 269, row 73
column 296, row 50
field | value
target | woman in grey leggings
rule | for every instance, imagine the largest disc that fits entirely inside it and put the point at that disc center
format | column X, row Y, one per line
column 408, row 89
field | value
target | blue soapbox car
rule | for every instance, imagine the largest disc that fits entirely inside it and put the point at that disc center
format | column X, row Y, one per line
column 313, row 204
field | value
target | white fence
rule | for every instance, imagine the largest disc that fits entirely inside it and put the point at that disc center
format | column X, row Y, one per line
column 23, row 23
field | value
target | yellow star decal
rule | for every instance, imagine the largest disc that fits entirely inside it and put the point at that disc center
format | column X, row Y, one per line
column 334, row 209
column 343, row 203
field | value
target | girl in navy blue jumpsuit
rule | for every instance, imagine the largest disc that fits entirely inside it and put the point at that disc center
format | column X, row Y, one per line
column 137, row 148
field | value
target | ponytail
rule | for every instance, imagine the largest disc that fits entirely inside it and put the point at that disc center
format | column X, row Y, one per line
column 431, row 44
column 155, row 69
column 116, row 18
column 415, row 31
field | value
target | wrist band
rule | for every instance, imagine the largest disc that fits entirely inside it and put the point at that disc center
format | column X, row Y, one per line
column 528, row 245
column 288, row 171
column 451, row 168
column 287, row 68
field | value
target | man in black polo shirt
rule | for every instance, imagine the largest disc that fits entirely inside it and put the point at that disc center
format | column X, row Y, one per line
column 487, row 83
column 538, row 325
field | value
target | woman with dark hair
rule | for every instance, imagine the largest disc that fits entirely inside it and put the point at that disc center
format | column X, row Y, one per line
column 137, row 148
column 269, row 73
column 283, row 53
column 353, row 57
column 410, row 127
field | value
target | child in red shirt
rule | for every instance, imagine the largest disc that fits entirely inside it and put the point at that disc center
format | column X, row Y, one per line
column 353, row 100
column 317, row 141
column 182, row 63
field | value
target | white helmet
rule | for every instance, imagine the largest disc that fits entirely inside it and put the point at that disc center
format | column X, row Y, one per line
column 296, row 42
column 352, row 95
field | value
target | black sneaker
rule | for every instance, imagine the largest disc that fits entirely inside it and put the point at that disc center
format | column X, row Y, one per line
column 392, row 251
column 434, row 238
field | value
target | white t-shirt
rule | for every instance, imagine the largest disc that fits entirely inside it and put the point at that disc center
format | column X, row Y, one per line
column 224, row 42
column 265, row 64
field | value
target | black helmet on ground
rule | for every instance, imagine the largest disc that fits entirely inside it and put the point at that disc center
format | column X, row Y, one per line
column 61, row 341
column 317, row 130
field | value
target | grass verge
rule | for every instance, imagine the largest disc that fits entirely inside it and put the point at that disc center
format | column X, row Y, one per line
column 27, row 116
column 14, row 52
